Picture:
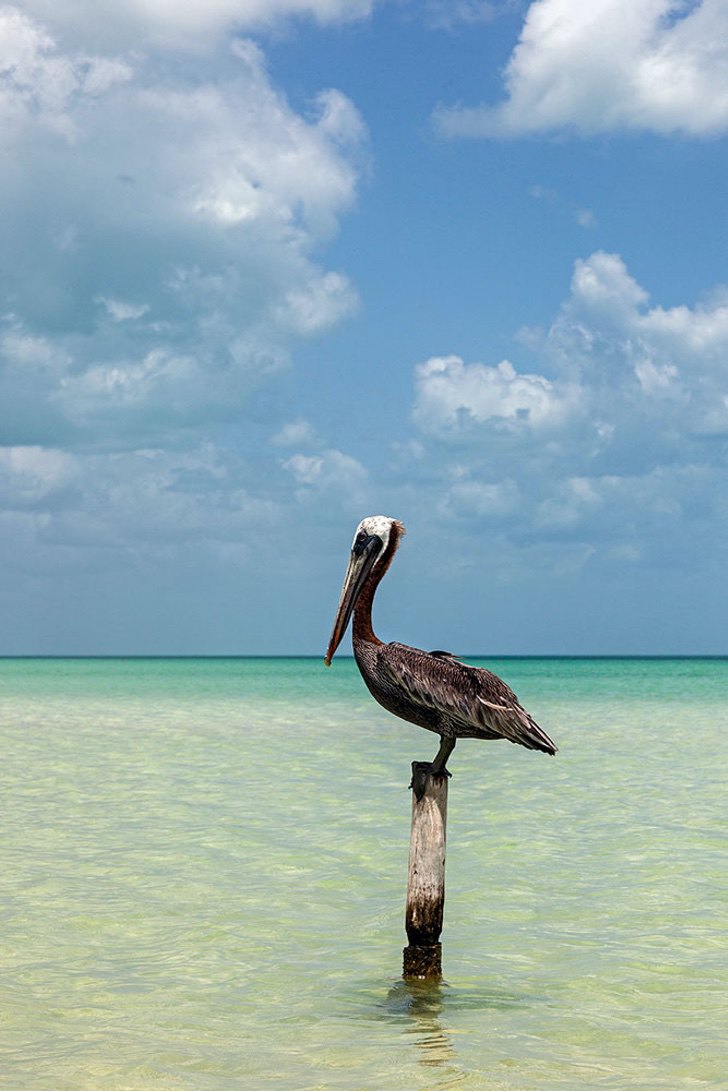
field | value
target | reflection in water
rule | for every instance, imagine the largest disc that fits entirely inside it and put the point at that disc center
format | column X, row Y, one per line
column 422, row 1002
column 424, row 1009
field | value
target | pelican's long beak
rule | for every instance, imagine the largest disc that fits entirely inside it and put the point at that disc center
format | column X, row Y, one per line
column 362, row 558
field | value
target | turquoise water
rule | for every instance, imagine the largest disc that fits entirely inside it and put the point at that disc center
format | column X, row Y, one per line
column 203, row 874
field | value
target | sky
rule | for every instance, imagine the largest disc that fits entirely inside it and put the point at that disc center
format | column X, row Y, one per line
column 270, row 266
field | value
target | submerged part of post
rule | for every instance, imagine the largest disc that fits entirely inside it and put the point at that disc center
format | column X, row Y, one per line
column 426, row 876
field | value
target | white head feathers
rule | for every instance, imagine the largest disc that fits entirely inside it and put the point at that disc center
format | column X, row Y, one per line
column 381, row 525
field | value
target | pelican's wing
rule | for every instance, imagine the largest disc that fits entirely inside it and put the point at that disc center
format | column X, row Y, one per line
column 413, row 672
column 474, row 698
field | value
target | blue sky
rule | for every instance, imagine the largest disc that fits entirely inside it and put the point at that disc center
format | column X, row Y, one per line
column 269, row 266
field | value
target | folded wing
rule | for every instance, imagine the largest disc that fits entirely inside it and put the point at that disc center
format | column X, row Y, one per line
column 470, row 701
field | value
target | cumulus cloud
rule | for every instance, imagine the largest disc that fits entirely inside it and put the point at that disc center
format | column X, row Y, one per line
column 162, row 502
column 37, row 82
column 607, row 442
column 640, row 362
column 160, row 261
column 193, row 25
column 29, row 475
column 639, row 499
column 296, row 433
column 330, row 469
column 610, row 65
column 453, row 395
column 322, row 302
column 486, row 501
column 585, row 217
column 121, row 311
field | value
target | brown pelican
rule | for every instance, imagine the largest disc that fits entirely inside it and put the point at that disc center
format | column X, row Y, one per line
column 432, row 689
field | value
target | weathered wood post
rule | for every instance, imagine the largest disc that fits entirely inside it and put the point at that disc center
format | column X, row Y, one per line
column 426, row 874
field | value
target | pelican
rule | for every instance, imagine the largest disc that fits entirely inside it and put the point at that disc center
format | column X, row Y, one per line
column 434, row 690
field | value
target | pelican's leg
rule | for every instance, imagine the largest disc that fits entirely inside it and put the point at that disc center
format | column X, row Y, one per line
column 421, row 770
column 447, row 745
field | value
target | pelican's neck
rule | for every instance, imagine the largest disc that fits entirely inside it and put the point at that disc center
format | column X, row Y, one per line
column 363, row 610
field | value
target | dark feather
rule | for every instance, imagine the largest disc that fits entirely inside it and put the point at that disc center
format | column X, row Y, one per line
column 453, row 698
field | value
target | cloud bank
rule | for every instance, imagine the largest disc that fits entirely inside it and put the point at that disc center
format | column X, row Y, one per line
column 159, row 268
column 164, row 263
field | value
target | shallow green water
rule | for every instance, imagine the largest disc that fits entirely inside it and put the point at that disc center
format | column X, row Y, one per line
column 203, row 866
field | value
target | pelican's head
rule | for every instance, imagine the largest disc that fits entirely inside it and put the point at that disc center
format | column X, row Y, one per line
column 375, row 540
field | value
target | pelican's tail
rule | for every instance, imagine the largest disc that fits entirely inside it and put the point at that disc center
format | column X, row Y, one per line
column 535, row 738
column 515, row 724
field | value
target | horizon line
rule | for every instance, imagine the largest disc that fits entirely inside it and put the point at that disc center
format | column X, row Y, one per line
column 295, row 655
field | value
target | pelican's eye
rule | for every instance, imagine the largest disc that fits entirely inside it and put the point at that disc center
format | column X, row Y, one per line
column 361, row 542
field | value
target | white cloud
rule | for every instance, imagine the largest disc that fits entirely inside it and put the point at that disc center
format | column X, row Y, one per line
column 148, row 500
column 38, row 81
column 330, row 469
column 615, row 453
column 638, row 362
column 121, row 311
column 703, row 330
column 198, row 206
column 453, row 395
column 655, row 377
column 194, row 24
column 642, row 503
column 484, row 500
column 23, row 352
column 585, row 217
column 324, row 301
column 296, row 433
column 163, row 263
column 601, row 284
column 160, row 382
column 610, row 65
column 30, row 475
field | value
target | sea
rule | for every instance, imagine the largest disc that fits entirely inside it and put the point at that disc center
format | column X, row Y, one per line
column 203, row 867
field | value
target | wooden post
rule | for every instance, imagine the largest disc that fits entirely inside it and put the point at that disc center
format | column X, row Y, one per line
column 426, row 876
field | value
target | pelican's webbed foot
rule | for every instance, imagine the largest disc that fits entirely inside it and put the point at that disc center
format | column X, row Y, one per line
column 421, row 770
